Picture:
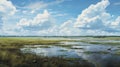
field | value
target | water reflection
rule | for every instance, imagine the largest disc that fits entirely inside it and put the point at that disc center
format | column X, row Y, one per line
column 52, row 51
column 99, row 55
column 102, row 60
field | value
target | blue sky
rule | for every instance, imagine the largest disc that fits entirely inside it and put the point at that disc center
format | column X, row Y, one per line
column 59, row 17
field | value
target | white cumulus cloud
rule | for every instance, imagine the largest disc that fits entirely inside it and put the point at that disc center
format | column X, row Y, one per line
column 7, row 8
column 96, row 18
column 40, row 22
column 116, row 23
column 68, row 29
column 92, row 15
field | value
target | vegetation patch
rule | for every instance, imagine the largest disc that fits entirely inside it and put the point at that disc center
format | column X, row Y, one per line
column 66, row 46
column 100, row 52
column 63, row 50
column 117, row 53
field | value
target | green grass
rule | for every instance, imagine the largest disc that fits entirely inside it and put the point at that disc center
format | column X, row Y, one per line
column 65, row 46
column 117, row 53
column 26, row 41
column 46, row 46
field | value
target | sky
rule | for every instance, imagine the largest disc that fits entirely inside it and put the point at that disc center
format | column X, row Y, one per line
column 59, row 17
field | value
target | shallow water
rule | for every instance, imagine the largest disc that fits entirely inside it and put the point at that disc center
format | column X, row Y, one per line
column 99, row 55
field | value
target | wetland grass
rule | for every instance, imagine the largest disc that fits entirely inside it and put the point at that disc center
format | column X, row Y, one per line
column 11, row 56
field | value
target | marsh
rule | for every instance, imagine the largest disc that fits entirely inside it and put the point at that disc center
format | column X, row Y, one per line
column 59, row 51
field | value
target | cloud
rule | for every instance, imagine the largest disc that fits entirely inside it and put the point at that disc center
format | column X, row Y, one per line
column 40, row 22
column 116, row 23
column 42, row 4
column 96, row 18
column 92, row 15
column 1, row 22
column 7, row 8
column 67, row 29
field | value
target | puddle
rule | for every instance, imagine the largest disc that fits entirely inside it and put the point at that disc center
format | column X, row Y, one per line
column 99, row 55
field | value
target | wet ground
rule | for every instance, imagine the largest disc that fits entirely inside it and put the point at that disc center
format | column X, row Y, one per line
column 99, row 55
